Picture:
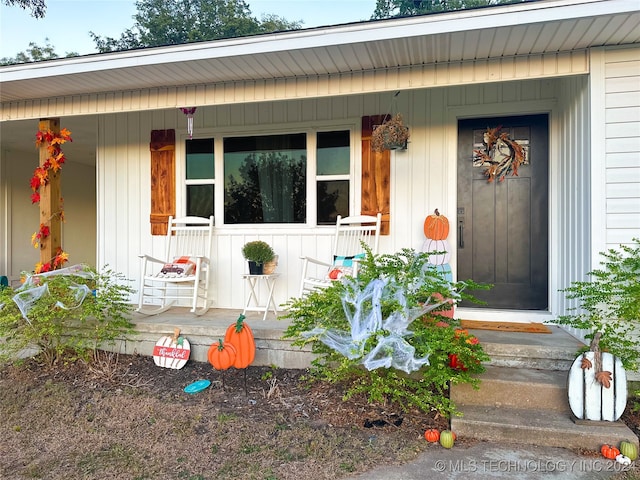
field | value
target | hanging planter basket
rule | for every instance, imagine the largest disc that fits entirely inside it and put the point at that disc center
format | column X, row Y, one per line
column 393, row 134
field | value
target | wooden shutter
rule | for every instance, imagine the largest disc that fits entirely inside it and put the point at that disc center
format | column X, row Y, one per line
column 163, row 179
column 376, row 175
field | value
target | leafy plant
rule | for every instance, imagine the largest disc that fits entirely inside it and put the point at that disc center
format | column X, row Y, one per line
column 609, row 303
column 70, row 312
column 258, row 251
column 411, row 290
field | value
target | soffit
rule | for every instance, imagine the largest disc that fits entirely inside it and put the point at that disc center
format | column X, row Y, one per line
column 507, row 31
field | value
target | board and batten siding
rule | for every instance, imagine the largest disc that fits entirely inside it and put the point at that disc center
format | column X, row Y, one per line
column 423, row 176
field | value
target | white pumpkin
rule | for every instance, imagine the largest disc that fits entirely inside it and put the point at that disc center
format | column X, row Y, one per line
column 172, row 351
column 441, row 246
column 588, row 398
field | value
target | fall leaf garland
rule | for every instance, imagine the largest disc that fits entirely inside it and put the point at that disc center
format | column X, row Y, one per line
column 41, row 176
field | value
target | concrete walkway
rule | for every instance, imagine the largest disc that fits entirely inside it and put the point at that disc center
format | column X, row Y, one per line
column 494, row 461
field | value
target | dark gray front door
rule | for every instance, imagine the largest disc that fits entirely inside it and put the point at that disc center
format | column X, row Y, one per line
column 502, row 226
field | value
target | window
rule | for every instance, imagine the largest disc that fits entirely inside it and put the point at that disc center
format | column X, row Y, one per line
column 200, row 177
column 333, row 167
column 265, row 179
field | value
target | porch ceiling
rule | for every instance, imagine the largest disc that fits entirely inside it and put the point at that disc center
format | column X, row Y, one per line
column 521, row 29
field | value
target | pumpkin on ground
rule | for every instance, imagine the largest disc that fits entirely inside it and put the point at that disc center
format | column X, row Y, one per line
column 240, row 335
column 629, row 450
column 609, row 451
column 447, row 438
column 432, row 435
column 436, row 226
column 221, row 355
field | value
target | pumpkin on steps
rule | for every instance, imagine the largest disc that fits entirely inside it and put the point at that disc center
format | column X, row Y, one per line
column 609, row 451
column 221, row 355
column 597, row 385
column 240, row 335
column 629, row 450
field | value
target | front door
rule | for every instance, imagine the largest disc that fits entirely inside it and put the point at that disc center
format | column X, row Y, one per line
column 502, row 225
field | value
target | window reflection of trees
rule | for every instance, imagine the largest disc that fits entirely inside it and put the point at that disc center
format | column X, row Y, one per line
column 270, row 188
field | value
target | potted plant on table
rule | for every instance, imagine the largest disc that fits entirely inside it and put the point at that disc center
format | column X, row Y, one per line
column 257, row 253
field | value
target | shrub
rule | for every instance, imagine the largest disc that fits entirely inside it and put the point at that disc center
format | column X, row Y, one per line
column 609, row 303
column 386, row 314
column 69, row 312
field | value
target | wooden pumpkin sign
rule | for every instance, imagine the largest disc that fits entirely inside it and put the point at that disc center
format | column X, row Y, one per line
column 172, row 352
column 239, row 335
column 439, row 249
column 597, row 385
column 436, row 226
column 221, row 355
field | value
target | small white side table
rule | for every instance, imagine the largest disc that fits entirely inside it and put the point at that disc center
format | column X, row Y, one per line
column 269, row 282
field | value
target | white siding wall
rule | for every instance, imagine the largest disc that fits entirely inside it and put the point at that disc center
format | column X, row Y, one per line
column 622, row 144
column 570, row 180
column 423, row 177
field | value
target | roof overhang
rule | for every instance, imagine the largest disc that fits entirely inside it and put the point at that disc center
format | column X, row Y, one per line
column 514, row 30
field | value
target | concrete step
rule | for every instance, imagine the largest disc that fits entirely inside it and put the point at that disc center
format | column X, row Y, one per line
column 537, row 427
column 555, row 351
column 516, row 388
column 271, row 348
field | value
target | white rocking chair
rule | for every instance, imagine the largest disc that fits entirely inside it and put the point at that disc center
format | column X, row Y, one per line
column 346, row 251
column 183, row 273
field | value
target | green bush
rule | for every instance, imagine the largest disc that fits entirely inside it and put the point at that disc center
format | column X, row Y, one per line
column 66, row 315
column 408, row 284
column 610, row 303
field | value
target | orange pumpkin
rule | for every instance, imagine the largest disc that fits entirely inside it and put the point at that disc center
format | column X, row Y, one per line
column 241, row 337
column 432, row 435
column 221, row 355
column 436, row 226
column 609, row 451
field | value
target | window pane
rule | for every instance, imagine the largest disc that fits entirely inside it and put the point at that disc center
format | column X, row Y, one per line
column 200, row 200
column 265, row 179
column 333, row 153
column 333, row 200
column 200, row 162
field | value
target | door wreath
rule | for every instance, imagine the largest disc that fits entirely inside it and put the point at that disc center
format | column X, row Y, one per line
column 501, row 155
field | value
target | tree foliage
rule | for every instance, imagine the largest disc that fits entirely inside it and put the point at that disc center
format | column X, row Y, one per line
column 35, row 53
column 38, row 7
column 406, row 8
column 159, row 23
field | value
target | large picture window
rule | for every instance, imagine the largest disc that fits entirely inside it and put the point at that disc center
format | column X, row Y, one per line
column 265, row 179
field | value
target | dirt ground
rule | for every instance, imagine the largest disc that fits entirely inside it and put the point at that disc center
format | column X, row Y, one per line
column 131, row 419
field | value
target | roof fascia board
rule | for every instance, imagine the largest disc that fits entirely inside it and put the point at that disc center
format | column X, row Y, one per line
column 449, row 22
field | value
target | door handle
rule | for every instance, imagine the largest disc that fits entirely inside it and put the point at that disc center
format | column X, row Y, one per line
column 460, row 233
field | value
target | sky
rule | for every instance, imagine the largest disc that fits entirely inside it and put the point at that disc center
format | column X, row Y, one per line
column 67, row 23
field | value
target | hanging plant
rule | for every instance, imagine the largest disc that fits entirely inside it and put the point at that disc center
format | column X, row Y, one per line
column 502, row 155
column 41, row 177
column 393, row 134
